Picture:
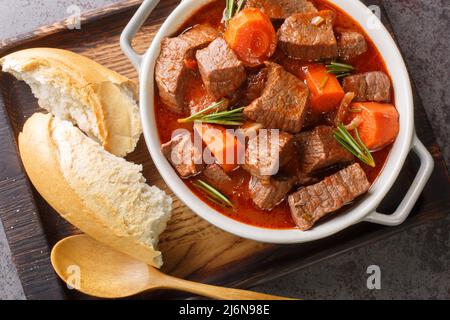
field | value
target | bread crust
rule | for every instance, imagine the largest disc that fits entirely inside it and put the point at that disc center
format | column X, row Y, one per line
column 40, row 159
column 94, row 85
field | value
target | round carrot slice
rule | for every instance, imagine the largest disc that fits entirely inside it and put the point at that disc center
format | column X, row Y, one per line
column 252, row 36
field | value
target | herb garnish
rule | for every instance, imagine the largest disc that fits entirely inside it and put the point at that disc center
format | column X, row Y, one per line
column 355, row 146
column 234, row 117
column 213, row 194
column 340, row 69
column 230, row 10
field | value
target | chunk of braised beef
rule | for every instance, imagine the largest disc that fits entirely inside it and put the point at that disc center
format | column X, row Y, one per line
column 311, row 203
column 283, row 102
column 218, row 178
column 281, row 9
column 369, row 86
column 318, row 149
column 293, row 168
column 184, row 156
column 303, row 37
column 351, row 44
column 171, row 69
column 266, row 194
column 254, row 86
column 221, row 70
column 267, row 152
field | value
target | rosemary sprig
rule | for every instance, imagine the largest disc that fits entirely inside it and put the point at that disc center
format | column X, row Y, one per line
column 213, row 194
column 343, row 75
column 355, row 146
column 230, row 10
column 233, row 117
column 214, row 106
column 340, row 69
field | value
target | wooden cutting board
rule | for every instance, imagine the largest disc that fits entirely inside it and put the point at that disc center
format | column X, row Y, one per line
column 192, row 248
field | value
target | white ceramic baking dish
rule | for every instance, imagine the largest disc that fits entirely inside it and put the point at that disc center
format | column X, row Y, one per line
column 365, row 208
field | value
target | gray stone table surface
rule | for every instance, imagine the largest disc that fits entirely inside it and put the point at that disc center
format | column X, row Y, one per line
column 414, row 264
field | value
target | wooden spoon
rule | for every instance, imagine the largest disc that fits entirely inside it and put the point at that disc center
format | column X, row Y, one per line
column 106, row 273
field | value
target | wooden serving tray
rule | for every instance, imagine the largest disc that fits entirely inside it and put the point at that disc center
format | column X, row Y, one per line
column 192, row 248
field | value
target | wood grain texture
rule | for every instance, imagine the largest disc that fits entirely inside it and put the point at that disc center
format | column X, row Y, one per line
column 192, row 248
column 108, row 273
column 22, row 223
column 64, row 24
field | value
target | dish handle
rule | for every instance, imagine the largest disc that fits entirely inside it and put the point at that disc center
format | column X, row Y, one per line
column 132, row 28
column 405, row 207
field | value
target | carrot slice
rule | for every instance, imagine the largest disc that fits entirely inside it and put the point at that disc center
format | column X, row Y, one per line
column 326, row 91
column 223, row 144
column 380, row 123
column 252, row 36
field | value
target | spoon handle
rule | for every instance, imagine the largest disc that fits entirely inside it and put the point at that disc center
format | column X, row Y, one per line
column 215, row 292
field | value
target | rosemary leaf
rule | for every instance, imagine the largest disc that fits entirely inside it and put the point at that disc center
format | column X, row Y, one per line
column 341, row 65
column 343, row 75
column 212, row 193
column 347, row 137
column 223, row 114
column 339, row 69
column 233, row 117
column 230, row 10
column 354, row 146
column 239, row 6
column 224, row 122
column 371, row 160
column 214, row 106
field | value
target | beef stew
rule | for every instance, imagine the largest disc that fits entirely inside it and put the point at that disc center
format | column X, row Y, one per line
column 320, row 93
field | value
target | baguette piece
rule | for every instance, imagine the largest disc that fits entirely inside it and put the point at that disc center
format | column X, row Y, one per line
column 99, row 101
column 103, row 195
